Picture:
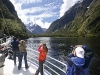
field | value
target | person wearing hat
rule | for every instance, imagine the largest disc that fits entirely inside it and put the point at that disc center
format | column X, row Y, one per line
column 75, row 62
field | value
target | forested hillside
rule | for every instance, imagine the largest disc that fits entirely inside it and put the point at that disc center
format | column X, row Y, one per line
column 10, row 24
column 83, row 19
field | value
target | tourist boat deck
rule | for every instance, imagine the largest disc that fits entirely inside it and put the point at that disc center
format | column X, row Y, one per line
column 10, row 69
column 50, row 65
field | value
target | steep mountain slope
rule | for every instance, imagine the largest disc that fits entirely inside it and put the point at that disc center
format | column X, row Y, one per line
column 83, row 19
column 10, row 24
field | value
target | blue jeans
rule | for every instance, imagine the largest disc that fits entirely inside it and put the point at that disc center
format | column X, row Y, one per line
column 25, row 59
column 15, row 54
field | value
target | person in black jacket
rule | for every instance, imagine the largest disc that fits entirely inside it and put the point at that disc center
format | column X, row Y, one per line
column 15, row 49
column 89, row 55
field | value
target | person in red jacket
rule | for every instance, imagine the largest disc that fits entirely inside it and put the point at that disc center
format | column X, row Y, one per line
column 42, row 57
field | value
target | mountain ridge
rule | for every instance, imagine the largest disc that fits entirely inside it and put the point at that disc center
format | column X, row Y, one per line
column 35, row 28
column 77, row 21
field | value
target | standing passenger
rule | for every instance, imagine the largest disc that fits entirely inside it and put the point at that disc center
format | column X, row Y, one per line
column 42, row 57
column 23, row 52
column 15, row 49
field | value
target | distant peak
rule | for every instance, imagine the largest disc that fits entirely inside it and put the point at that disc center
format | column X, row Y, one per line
column 35, row 24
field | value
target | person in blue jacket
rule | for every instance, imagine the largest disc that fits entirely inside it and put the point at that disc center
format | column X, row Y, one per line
column 75, row 61
column 15, row 49
column 78, row 62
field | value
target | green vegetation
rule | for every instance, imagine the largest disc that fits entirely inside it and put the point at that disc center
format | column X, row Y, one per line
column 10, row 24
column 86, row 22
column 80, row 21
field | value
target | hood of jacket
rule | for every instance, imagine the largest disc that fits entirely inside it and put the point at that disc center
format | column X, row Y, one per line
column 78, row 61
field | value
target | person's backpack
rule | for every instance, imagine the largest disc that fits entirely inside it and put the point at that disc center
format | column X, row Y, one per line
column 89, row 54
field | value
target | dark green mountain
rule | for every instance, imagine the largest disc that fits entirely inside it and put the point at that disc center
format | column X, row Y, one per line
column 83, row 19
column 10, row 24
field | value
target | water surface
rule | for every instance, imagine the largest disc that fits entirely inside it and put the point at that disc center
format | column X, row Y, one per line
column 60, row 48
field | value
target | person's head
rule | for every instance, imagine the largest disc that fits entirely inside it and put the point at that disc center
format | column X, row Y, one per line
column 79, row 52
column 44, row 47
column 14, row 38
column 22, row 42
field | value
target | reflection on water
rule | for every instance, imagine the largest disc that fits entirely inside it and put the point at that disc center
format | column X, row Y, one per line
column 60, row 47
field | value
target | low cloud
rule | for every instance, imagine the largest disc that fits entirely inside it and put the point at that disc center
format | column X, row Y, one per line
column 35, row 14
column 67, row 4
column 26, row 1
column 44, row 12
column 43, row 25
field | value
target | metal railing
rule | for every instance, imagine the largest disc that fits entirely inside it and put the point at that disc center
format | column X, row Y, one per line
column 52, row 65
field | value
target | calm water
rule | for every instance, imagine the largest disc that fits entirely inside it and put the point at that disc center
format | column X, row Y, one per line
column 60, row 47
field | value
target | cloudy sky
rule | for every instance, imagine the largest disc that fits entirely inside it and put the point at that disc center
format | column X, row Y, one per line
column 41, row 12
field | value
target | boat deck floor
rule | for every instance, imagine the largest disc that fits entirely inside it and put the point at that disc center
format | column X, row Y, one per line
column 10, row 69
